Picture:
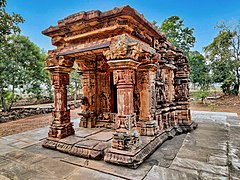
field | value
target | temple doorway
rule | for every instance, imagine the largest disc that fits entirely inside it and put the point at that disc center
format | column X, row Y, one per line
column 114, row 104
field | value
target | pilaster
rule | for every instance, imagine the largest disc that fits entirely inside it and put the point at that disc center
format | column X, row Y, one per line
column 61, row 126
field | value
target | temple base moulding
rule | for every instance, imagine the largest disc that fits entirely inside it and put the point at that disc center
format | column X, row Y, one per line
column 91, row 146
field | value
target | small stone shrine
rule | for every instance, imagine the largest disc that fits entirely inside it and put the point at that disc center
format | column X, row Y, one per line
column 134, row 82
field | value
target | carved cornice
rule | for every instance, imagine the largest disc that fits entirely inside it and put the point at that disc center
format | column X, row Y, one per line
column 53, row 60
column 83, row 20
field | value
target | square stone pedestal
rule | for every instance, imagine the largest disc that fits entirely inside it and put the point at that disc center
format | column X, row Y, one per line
column 135, row 157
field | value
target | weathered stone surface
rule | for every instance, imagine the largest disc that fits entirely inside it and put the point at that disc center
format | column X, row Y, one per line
column 105, row 135
column 86, row 173
column 167, row 174
column 117, row 171
column 85, row 132
column 200, row 166
column 165, row 154
column 136, row 156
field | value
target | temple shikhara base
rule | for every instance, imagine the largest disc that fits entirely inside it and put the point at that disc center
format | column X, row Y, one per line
column 135, row 86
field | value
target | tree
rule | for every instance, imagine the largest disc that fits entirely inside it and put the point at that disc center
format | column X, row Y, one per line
column 23, row 69
column 75, row 84
column 180, row 36
column 199, row 70
column 224, row 55
column 8, row 25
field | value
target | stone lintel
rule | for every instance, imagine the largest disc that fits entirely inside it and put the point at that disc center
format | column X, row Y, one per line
column 147, row 67
column 59, row 69
column 123, row 64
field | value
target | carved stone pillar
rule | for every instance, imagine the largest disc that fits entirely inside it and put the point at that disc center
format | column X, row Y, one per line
column 61, row 126
column 182, row 94
column 88, row 70
column 146, row 87
column 124, row 79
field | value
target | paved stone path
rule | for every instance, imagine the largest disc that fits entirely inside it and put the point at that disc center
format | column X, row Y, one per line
column 212, row 151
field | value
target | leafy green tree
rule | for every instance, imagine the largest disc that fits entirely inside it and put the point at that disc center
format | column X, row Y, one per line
column 199, row 70
column 8, row 25
column 75, row 84
column 224, row 56
column 23, row 69
column 180, row 36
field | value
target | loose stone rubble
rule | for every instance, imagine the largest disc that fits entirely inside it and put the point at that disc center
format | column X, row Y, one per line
column 134, row 81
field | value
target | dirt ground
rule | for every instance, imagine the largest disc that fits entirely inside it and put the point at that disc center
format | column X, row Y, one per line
column 29, row 123
column 223, row 104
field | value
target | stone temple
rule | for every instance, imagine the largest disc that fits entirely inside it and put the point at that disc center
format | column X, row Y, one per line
column 135, row 86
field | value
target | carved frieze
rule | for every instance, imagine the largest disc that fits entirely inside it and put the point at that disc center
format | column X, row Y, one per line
column 53, row 60
column 86, row 65
column 123, row 48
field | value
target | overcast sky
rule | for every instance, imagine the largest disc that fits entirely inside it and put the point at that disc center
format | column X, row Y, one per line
column 202, row 15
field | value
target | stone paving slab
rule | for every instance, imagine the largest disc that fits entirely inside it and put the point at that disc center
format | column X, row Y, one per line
column 105, row 135
column 5, row 149
column 114, row 170
column 85, row 132
column 71, row 140
column 212, row 151
column 88, row 174
column 200, row 166
column 168, row 174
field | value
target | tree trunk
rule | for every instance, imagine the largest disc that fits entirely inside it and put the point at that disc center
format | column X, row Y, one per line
column 238, row 82
column 75, row 94
column 2, row 100
column 12, row 99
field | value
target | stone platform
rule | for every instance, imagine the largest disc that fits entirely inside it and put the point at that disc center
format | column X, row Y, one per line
column 95, row 143
column 212, row 151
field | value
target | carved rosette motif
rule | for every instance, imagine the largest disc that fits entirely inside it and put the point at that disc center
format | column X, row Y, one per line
column 124, row 76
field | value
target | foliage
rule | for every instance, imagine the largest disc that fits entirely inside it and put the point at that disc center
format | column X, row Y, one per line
column 22, row 69
column 224, row 56
column 199, row 70
column 201, row 94
column 8, row 23
column 75, row 83
column 212, row 106
column 180, row 36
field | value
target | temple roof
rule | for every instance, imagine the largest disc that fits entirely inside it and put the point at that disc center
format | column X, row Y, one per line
column 96, row 16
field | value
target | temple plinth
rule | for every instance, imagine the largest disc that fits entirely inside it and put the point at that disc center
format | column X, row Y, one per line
column 134, row 84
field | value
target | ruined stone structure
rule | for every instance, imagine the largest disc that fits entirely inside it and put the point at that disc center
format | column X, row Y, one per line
column 134, row 81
